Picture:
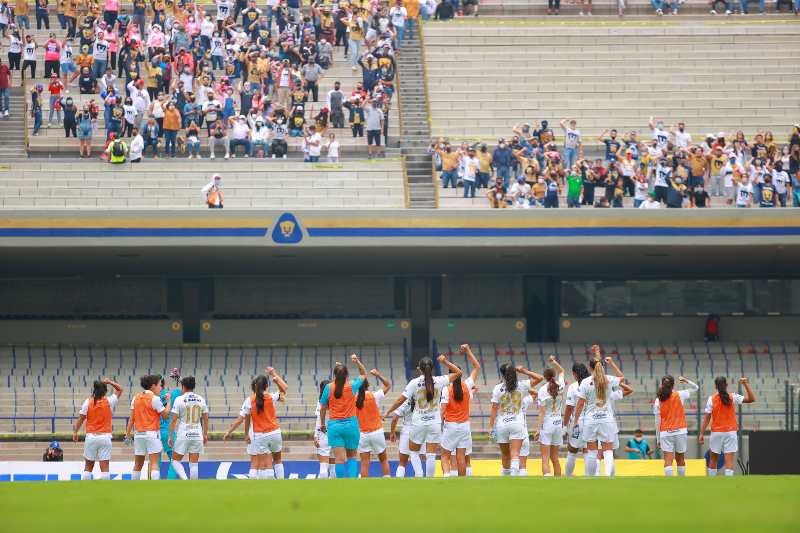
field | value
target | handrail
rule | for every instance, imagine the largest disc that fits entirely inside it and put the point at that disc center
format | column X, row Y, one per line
column 406, row 191
column 25, row 111
column 423, row 60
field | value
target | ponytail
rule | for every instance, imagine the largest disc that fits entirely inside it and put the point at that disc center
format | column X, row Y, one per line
column 665, row 390
column 261, row 387
column 580, row 371
column 458, row 390
column 322, row 385
column 339, row 378
column 600, row 384
column 362, row 395
column 426, row 367
column 99, row 390
column 552, row 386
column 722, row 388
column 509, row 375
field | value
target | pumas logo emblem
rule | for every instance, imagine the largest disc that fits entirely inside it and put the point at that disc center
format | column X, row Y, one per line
column 287, row 230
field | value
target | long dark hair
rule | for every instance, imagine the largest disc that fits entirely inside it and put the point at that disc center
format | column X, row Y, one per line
column 99, row 390
column 426, row 368
column 722, row 388
column 339, row 377
column 665, row 390
column 322, row 385
column 509, row 375
column 458, row 390
column 552, row 386
column 362, row 394
column 580, row 371
column 261, row 385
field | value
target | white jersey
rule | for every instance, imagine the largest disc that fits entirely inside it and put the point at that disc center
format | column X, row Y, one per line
column 616, row 395
column 425, row 411
column 744, row 193
column 112, row 403
column 661, row 137
column 510, row 402
column 317, row 422
column 223, row 9
column 663, row 174
column 553, row 407
column 527, row 401
column 572, row 138
column 572, row 400
column 593, row 410
column 66, row 54
column 190, row 408
column 405, row 413
column 29, row 51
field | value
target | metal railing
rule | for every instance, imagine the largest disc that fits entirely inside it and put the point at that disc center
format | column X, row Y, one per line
column 427, row 104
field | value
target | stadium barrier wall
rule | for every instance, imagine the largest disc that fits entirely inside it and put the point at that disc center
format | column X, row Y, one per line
column 323, row 331
column 91, row 331
column 641, row 329
column 455, row 330
column 121, row 470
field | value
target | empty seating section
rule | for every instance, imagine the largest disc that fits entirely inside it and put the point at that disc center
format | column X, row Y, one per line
column 246, row 184
column 484, row 78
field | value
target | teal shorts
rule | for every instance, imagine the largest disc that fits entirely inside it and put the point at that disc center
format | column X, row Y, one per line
column 344, row 433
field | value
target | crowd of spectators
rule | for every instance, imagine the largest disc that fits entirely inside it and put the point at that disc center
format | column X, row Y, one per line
column 166, row 75
column 667, row 167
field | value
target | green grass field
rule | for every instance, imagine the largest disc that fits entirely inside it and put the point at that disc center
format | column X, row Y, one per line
column 475, row 505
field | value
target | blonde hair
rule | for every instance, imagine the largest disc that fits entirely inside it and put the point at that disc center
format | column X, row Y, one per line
column 600, row 384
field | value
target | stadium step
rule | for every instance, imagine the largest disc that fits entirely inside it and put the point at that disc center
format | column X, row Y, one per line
column 414, row 126
column 12, row 128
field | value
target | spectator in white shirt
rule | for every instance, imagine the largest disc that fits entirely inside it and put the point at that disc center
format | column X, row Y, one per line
column 682, row 139
column 333, row 149
column 398, row 15
column 238, row 135
column 572, row 142
column 259, row 137
column 469, row 166
column 520, row 194
column 314, row 144
column 137, row 146
column 212, row 193
column 650, row 202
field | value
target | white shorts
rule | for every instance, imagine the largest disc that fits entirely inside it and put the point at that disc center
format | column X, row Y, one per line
column 147, row 442
column 673, row 442
column 525, row 450
column 509, row 432
column 402, row 442
column 575, row 438
column 601, row 431
column 372, row 442
column 552, row 434
column 456, row 435
column 428, row 433
column 97, row 447
column 185, row 446
column 323, row 450
column 263, row 443
column 724, row 442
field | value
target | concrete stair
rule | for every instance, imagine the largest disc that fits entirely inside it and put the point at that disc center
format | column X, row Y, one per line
column 12, row 128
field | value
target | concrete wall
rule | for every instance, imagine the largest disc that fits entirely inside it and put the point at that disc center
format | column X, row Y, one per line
column 637, row 329
column 90, row 332
column 367, row 331
column 460, row 330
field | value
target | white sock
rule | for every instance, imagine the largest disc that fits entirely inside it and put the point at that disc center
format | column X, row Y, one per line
column 549, row 474
column 86, row 475
column 430, row 465
column 269, row 473
column 608, row 462
column 682, row 471
column 570, row 468
column 177, row 466
column 505, row 472
column 261, row 474
column 279, row 471
column 514, row 467
column 469, row 471
column 136, row 475
column 155, row 474
column 252, row 474
column 728, row 473
column 105, row 475
column 668, row 471
column 590, row 459
column 416, row 463
column 400, row 472
column 331, row 471
column 523, row 472
column 194, row 471
column 712, row 472
column 323, row 471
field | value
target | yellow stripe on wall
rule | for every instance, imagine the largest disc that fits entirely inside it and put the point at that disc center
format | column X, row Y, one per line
column 623, row 467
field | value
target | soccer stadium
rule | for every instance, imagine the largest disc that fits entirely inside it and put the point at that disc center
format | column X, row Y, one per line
column 356, row 257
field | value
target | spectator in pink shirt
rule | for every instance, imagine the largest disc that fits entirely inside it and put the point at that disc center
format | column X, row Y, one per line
column 110, row 12
column 52, row 56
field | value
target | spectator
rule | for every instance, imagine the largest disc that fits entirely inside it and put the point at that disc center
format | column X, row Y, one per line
column 42, row 15
column 137, row 146
column 172, row 125
column 212, row 193
column 150, row 134
column 497, row 195
column 85, row 130
column 641, row 191
column 52, row 56
column 313, row 142
column 574, row 186
column 193, row 140
column 502, row 159
column 637, row 447
column 86, row 82
column 767, row 192
column 744, row 192
column 117, row 150
column 470, row 165
column 699, row 197
column 484, row 167
column 67, row 62
column 53, row 454
column 5, row 88
column 54, row 88
column 651, row 202
column 29, row 55
column 36, row 107
column 21, row 12
column 520, row 194
column 373, row 118
column 398, row 15
column 333, row 148
column 239, row 135
column 70, row 117
column 450, row 162
column 217, row 134
column 444, row 11
column 313, row 74
column 573, row 146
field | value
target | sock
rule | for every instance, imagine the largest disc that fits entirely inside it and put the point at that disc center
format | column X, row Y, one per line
column 682, row 471
column 136, row 475
column 252, row 474
column 549, row 474
column 332, row 472
column 340, row 471
column 570, row 468
column 505, row 472
column 469, row 471
column 514, row 467
column 608, row 462
column 668, row 471
column 400, row 472
column 105, row 475
column 179, row 470
column 269, row 473
column 86, row 475
column 279, row 471
column 353, row 466
column 728, row 473
column 614, row 469
column 323, row 471
column 523, row 472
column 171, row 473
column 712, row 472
column 590, row 459
column 155, row 475
column 194, row 471
column 416, row 463
column 430, row 465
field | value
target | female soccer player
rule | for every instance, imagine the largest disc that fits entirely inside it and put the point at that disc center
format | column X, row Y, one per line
column 191, row 411
column 146, row 413
column 405, row 413
column 97, row 411
column 721, row 412
column 426, row 420
column 525, row 449
column 617, row 394
column 175, row 376
column 549, row 430
column 457, row 435
column 575, row 443
column 321, row 443
column 594, row 395
column 509, row 429
column 370, row 424
column 343, row 433
column 671, row 427
column 254, row 472
column 266, row 439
